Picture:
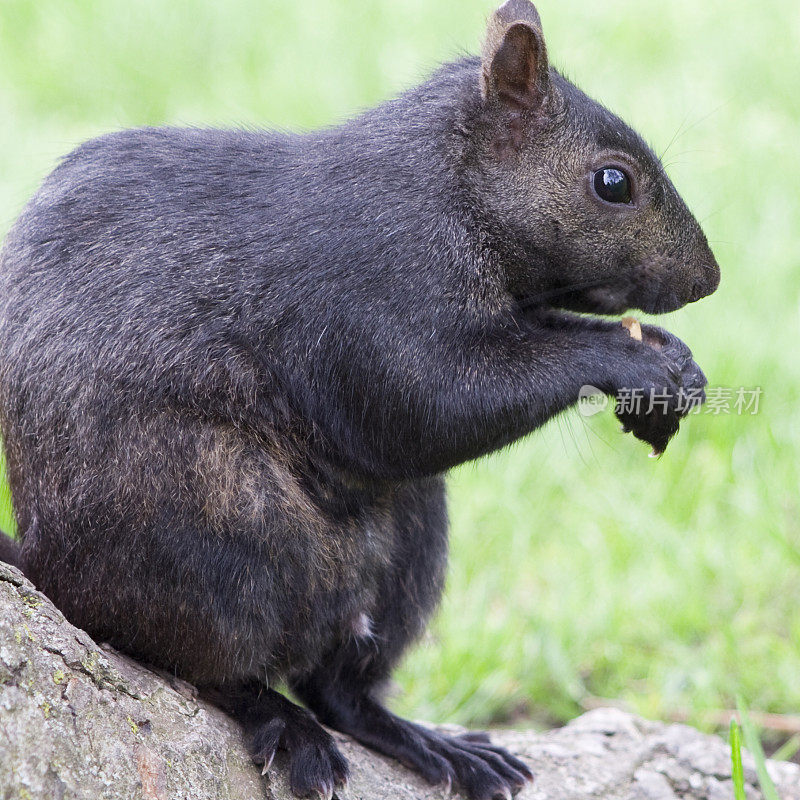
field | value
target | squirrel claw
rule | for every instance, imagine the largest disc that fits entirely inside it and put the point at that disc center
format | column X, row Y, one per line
column 326, row 790
column 448, row 787
column 268, row 763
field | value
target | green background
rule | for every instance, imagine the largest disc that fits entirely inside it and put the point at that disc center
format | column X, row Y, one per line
column 580, row 567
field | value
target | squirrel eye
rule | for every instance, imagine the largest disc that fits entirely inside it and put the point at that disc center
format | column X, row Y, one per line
column 612, row 185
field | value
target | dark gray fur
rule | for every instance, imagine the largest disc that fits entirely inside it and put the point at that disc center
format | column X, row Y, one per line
column 236, row 364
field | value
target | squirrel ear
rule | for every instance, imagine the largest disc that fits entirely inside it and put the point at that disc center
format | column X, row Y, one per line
column 514, row 61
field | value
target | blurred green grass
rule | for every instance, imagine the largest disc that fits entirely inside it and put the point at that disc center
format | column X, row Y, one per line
column 579, row 568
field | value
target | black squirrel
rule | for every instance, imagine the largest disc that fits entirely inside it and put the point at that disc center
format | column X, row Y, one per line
column 235, row 364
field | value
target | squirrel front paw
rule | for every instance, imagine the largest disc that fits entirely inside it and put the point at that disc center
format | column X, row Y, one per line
column 664, row 385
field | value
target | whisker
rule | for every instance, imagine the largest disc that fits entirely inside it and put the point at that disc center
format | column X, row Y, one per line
column 682, row 132
column 548, row 294
column 674, row 137
column 707, row 115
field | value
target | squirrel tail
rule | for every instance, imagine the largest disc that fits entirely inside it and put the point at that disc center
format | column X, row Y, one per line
column 10, row 551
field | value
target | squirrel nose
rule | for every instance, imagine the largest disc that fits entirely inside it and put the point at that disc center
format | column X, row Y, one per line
column 706, row 284
column 697, row 292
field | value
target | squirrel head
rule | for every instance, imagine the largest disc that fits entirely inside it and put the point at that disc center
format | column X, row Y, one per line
column 590, row 219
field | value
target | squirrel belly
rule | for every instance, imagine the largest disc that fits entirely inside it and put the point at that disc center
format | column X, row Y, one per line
column 232, row 562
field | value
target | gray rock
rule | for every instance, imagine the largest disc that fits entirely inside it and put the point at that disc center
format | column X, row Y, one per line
column 81, row 721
